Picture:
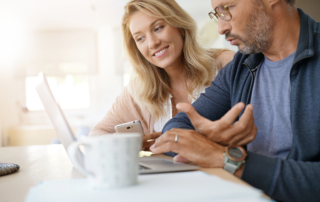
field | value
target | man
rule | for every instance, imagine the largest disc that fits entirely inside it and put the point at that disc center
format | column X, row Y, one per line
column 277, row 71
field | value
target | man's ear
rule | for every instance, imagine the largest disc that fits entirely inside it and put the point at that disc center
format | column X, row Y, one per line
column 271, row 3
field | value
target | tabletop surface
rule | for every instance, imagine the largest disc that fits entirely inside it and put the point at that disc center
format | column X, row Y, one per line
column 51, row 162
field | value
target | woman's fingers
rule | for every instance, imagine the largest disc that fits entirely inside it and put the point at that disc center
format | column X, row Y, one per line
column 146, row 145
column 151, row 136
column 149, row 140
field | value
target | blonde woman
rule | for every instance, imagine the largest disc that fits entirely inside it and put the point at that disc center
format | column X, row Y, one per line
column 169, row 66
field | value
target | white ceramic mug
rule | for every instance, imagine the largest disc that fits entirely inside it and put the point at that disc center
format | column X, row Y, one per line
column 109, row 160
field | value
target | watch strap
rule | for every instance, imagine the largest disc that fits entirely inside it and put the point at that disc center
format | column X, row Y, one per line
column 231, row 167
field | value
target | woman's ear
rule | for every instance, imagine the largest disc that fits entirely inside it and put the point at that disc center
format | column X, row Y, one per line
column 182, row 33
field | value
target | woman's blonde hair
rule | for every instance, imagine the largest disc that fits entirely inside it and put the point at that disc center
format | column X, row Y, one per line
column 152, row 86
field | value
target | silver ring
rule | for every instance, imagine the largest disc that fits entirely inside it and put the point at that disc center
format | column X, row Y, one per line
column 176, row 138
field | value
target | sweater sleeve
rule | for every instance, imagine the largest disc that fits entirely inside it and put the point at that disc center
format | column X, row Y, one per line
column 123, row 110
column 283, row 180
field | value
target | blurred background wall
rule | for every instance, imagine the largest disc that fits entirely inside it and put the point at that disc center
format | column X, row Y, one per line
column 311, row 7
column 77, row 43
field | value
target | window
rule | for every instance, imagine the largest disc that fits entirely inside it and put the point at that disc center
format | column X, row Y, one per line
column 84, row 83
column 67, row 57
column 70, row 91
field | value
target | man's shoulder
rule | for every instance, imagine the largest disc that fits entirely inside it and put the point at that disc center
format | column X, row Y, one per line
column 311, row 23
column 236, row 70
column 318, row 28
column 315, row 26
column 236, row 64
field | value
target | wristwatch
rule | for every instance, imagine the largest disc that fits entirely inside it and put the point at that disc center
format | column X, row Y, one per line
column 234, row 156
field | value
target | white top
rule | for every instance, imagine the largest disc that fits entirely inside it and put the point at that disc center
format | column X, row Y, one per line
column 158, row 125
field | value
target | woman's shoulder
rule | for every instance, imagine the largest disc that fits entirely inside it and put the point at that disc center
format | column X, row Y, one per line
column 131, row 86
column 224, row 58
column 129, row 92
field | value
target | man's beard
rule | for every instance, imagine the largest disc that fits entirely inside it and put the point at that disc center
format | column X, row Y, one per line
column 256, row 38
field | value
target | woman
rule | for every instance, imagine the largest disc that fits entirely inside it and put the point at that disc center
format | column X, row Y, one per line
column 169, row 65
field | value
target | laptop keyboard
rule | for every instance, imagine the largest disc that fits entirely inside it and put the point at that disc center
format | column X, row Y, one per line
column 143, row 168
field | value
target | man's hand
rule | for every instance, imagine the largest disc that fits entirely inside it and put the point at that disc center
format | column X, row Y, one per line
column 224, row 131
column 191, row 147
column 149, row 140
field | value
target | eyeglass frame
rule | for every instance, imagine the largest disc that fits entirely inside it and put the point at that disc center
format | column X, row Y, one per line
column 215, row 13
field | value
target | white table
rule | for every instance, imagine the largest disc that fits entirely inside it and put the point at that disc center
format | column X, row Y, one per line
column 50, row 162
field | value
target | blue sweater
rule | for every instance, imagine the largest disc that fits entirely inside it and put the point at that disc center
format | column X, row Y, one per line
column 296, row 178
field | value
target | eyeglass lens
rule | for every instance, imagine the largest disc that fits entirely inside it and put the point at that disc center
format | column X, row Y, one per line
column 223, row 12
column 213, row 16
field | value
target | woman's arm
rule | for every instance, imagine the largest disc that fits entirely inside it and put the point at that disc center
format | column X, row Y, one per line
column 123, row 110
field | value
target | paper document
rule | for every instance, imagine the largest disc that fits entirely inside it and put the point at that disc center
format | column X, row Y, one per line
column 184, row 186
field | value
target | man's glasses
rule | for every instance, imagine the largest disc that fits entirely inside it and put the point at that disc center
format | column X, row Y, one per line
column 221, row 12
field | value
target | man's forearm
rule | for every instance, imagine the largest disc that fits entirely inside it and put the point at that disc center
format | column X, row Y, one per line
column 181, row 120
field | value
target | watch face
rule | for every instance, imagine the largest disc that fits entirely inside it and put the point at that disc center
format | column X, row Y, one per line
column 235, row 153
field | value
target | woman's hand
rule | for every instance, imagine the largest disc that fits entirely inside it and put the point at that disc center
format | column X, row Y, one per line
column 149, row 140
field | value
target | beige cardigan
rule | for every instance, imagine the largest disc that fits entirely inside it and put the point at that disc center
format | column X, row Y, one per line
column 125, row 109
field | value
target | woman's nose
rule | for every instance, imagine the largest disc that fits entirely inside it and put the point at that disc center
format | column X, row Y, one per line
column 153, row 42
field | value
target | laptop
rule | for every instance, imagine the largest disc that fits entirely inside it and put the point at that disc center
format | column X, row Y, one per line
column 66, row 136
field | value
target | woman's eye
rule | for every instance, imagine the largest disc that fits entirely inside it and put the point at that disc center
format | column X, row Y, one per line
column 158, row 28
column 139, row 39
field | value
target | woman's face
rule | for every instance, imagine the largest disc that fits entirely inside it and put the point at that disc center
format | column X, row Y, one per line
column 160, row 43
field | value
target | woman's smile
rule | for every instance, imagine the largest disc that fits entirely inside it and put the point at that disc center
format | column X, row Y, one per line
column 161, row 52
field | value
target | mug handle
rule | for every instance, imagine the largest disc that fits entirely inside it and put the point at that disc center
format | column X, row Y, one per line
column 73, row 150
